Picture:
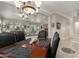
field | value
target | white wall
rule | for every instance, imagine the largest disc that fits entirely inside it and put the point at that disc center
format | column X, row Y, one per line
column 75, row 29
column 64, row 31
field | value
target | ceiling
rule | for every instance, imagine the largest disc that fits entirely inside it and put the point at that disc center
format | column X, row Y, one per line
column 9, row 11
column 66, row 8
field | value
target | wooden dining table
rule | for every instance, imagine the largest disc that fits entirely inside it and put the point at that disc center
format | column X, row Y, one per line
column 38, row 52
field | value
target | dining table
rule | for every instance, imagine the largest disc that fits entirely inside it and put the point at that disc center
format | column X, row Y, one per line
column 23, row 49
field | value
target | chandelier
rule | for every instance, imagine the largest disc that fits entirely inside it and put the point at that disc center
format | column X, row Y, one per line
column 28, row 7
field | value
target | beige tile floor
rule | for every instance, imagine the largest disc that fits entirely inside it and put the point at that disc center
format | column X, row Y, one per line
column 68, row 43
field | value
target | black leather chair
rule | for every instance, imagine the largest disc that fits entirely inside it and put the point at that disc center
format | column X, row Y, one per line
column 6, row 39
column 55, row 44
column 19, row 36
column 42, row 35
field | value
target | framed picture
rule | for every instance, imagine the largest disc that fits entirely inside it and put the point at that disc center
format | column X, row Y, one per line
column 58, row 25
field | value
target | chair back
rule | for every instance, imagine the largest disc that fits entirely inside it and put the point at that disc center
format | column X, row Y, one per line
column 42, row 35
column 55, row 44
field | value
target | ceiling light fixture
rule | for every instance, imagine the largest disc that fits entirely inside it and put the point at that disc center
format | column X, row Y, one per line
column 28, row 7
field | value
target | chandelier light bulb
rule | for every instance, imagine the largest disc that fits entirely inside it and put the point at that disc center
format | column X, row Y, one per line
column 36, row 10
column 18, row 4
column 38, row 3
